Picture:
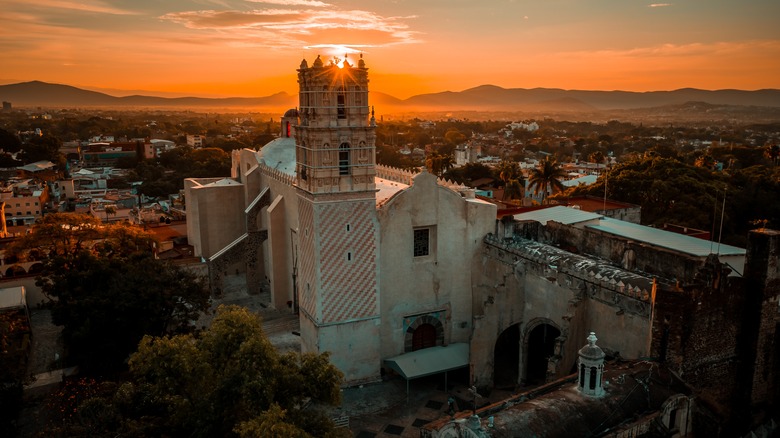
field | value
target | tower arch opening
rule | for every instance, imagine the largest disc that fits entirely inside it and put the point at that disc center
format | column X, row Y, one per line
column 506, row 358
column 539, row 347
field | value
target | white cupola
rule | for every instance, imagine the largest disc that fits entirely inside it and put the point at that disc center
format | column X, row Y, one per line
column 591, row 368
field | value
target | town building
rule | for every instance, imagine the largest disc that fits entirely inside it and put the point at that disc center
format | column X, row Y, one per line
column 195, row 141
column 107, row 154
column 23, row 201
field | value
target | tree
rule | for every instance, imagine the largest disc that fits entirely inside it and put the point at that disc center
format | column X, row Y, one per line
column 470, row 172
column 546, row 177
column 106, row 288
column 508, row 170
column 514, row 189
column 43, row 148
column 9, row 142
column 227, row 381
column 670, row 191
column 454, row 137
column 14, row 347
column 772, row 153
column 596, row 157
column 514, row 183
column 438, row 164
column 110, row 211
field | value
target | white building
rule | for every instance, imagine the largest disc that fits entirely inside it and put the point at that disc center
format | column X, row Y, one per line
column 374, row 265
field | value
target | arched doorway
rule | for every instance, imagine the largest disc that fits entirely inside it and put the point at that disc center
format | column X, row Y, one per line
column 424, row 336
column 423, row 331
column 506, row 358
column 540, row 346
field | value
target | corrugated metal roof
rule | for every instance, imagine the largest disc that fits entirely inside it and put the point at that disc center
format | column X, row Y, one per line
column 564, row 215
column 665, row 239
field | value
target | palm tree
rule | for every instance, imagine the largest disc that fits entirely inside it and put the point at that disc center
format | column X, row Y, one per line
column 437, row 164
column 514, row 188
column 110, row 210
column 546, row 177
column 508, row 170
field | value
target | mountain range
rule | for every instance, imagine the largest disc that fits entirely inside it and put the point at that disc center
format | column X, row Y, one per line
column 482, row 98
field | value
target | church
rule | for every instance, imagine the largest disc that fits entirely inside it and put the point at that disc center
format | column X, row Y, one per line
column 399, row 272
column 378, row 262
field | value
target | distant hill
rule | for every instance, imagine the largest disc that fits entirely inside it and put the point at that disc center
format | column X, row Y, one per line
column 482, row 98
column 550, row 99
column 44, row 94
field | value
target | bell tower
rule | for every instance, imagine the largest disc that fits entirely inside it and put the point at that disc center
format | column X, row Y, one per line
column 335, row 138
column 338, row 291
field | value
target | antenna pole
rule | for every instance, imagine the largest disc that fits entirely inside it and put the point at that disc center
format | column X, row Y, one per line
column 606, row 177
column 722, row 213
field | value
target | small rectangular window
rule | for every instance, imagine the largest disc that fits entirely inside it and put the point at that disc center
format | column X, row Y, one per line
column 422, row 242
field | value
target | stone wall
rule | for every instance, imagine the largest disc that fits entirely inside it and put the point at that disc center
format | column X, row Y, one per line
column 652, row 260
column 524, row 281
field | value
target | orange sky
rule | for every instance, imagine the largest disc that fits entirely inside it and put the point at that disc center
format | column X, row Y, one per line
column 252, row 47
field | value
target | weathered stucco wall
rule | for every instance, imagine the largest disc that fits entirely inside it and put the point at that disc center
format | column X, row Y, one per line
column 218, row 216
column 524, row 282
column 439, row 282
column 499, row 302
column 355, row 349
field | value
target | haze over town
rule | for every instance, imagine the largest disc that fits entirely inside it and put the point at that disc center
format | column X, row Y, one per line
column 246, row 48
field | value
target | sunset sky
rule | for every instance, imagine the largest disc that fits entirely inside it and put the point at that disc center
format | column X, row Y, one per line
column 252, row 47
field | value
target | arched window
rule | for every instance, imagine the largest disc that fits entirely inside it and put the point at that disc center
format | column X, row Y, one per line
column 582, row 376
column 593, row 374
column 344, row 159
column 341, row 102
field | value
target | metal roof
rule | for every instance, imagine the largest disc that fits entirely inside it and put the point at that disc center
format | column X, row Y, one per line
column 12, row 297
column 564, row 215
column 665, row 239
column 429, row 361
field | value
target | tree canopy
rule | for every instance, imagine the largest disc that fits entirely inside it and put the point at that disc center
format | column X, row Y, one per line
column 106, row 288
column 226, row 381
column 670, row 191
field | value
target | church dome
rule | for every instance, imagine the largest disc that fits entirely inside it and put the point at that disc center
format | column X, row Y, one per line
column 592, row 351
column 292, row 112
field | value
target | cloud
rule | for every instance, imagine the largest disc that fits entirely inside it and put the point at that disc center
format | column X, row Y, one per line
column 90, row 6
column 300, row 28
column 307, row 3
column 658, row 5
column 232, row 19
